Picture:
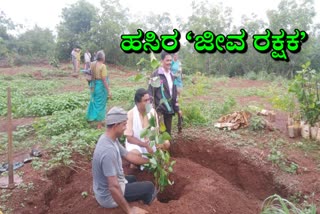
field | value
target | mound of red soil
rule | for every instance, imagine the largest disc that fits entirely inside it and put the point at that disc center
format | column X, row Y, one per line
column 209, row 177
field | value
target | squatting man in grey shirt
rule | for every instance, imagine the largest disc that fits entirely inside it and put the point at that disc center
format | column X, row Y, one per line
column 111, row 187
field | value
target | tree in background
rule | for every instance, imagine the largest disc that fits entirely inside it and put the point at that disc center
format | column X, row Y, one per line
column 314, row 48
column 107, row 31
column 94, row 28
column 254, row 61
column 206, row 16
column 6, row 24
column 291, row 15
column 75, row 29
column 130, row 60
column 36, row 42
column 158, row 23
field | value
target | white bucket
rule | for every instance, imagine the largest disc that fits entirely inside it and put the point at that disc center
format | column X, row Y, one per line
column 314, row 132
column 305, row 131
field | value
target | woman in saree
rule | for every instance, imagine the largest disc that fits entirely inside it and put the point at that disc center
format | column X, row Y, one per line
column 100, row 91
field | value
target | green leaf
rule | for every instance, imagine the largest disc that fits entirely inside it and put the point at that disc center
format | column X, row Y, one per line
column 163, row 100
column 152, row 121
column 148, row 155
column 152, row 143
column 151, row 136
column 155, row 82
column 153, row 161
column 283, row 205
column 144, row 132
column 141, row 61
column 162, row 155
column 138, row 77
column 152, row 57
column 162, row 127
column 308, row 64
column 165, row 136
column 154, row 62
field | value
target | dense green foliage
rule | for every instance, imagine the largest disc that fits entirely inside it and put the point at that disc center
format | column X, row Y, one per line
column 306, row 88
column 75, row 29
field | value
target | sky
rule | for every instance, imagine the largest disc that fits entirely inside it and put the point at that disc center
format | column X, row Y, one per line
column 46, row 13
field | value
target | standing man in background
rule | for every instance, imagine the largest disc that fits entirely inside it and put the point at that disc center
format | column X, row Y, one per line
column 87, row 60
column 74, row 60
column 78, row 51
column 165, row 96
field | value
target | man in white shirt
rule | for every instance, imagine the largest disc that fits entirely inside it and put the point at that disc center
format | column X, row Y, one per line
column 138, row 119
column 74, row 60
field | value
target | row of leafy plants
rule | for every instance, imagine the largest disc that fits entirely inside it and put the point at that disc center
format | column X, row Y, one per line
column 66, row 130
column 302, row 102
column 306, row 87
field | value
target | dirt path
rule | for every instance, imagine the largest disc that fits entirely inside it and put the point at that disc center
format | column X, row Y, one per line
column 15, row 123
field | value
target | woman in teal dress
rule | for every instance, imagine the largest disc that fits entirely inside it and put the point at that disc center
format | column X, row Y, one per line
column 100, row 91
column 177, row 72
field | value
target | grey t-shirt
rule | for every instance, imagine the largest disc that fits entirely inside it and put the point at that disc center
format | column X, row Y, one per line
column 107, row 162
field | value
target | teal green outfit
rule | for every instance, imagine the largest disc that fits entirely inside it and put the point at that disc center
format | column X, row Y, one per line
column 176, row 71
column 98, row 101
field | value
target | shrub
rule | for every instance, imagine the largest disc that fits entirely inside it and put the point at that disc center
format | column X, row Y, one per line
column 193, row 115
column 306, row 87
column 61, row 122
column 251, row 75
column 257, row 123
column 47, row 105
column 21, row 60
column 275, row 204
